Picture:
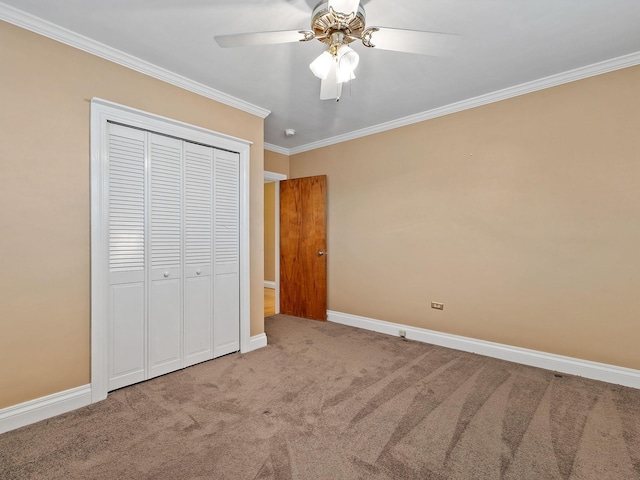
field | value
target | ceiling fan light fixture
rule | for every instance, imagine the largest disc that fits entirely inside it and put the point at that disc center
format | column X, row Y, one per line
column 322, row 65
column 344, row 76
column 348, row 60
column 345, row 7
column 338, row 23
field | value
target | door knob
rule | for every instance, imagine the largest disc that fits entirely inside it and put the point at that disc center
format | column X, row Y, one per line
column 198, row 272
column 166, row 274
column 321, row 253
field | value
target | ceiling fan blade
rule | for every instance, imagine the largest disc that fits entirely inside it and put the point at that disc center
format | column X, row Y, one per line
column 330, row 89
column 263, row 38
column 411, row 41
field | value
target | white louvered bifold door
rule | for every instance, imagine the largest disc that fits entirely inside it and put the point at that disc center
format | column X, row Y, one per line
column 198, row 258
column 126, row 204
column 165, row 222
column 174, row 285
column 226, row 288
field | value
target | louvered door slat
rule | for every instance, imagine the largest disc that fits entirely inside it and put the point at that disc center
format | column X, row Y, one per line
column 226, row 209
column 166, row 159
column 126, row 200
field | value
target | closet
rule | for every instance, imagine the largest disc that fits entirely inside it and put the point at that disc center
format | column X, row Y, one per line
column 173, row 254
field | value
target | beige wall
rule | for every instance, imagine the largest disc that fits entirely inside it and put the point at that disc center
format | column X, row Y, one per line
column 522, row 217
column 276, row 162
column 270, row 232
column 45, row 93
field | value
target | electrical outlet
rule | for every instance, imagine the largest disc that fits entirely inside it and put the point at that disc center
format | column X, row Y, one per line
column 437, row 305
column 403, row 333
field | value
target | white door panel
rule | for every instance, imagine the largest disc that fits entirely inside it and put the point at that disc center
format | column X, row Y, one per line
column 127, row 335
column 198, row 316
column 166, row 273
column 226, row 288
column 198, row 271
column 165, row 294
column 198, row 229
column 164, row 334
column 126, row 237
column 226, row 332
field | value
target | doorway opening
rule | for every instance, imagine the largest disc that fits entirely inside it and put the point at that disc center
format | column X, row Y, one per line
column 272, row 242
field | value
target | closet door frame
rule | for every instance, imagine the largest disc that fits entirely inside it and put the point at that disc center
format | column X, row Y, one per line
column 104, row 112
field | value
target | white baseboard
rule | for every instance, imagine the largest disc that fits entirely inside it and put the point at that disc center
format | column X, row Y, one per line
column 558, row 363
column 271, row 285
column 257, row 341
column 42, row 408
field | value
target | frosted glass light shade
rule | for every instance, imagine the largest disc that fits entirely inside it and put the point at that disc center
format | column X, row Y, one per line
column 344, row 6
column 321, row 65
column 343, row 76
column 348, row 60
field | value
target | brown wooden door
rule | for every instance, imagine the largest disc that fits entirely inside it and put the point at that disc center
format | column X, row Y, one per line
column 303, row 245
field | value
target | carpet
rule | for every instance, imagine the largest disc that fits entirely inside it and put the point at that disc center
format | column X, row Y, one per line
column 327, row 401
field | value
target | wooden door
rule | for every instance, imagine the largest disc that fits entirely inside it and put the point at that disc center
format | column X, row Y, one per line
column 303, row 244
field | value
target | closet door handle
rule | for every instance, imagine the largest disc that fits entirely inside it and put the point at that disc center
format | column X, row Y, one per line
column 166, row 274
column 198, row 272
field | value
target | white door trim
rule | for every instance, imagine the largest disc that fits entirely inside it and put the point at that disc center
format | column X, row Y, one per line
column 102, row 112
column 273, row 177
column 276, row 177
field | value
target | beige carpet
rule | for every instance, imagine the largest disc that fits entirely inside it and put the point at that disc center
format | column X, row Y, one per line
column 325, row 401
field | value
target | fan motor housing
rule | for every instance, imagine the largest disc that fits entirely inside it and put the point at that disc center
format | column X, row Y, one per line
column 325, row 22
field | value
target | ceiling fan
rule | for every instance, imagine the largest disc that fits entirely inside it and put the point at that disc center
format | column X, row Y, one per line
column 338, row 23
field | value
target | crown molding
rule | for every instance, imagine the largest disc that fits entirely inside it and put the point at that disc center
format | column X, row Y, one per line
column 606, row 66
column 35, row 24
column 277, row 149
column 63, row 35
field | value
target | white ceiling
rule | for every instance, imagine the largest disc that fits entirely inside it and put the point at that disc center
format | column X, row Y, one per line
column 505, row 43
